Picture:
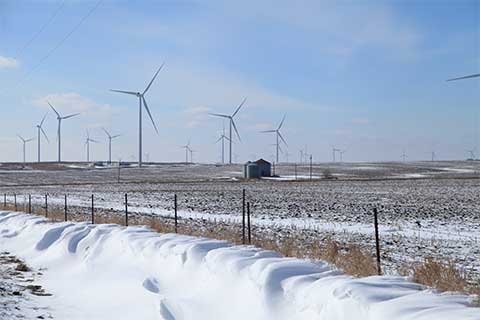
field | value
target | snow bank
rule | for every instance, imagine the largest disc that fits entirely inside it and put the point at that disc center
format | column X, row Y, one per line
column 112, row 272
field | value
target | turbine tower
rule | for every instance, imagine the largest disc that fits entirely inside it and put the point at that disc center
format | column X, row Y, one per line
column 278, row 137
column 334, row 151
column 141, row 100
column 59, row 130
column 39, row 131
column 87, row 143
column 232, row 124
column 110, row 138
column 25, row 141
column 341, row 154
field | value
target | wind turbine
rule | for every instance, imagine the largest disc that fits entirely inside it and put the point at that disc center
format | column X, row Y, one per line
column 278, row 137
column 59, row 130
column 25, row 141
column 40, row 129
column 341, row 154
column 334, row 151
column 141, row 99
column 472, row 154
column 87, row 143
column 232, row 124
column 191, row 154
column 465, row 77
column 110, row 138
column 434, row 155
column 187, row 148
column 222, row 138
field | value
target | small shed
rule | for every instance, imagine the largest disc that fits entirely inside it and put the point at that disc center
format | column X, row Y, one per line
column 265, row 168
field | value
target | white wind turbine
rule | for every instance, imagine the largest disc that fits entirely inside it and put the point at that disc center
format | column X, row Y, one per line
column 87, row 143
column 278, row 137
column 232, row 124
column 39, row 132
column 187, row 149
column 141, row 99
column 222, row 138
column 110, row 138
column 334, row 151
column 59, row 130
column 25, row 141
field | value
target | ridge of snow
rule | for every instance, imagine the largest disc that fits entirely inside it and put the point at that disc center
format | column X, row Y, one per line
column 112, row 272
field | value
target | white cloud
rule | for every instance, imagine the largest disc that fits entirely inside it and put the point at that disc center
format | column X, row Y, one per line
column 6, row 62
column 71, row 102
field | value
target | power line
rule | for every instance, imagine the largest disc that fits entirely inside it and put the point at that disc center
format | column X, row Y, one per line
column 42, row 28
column 62, row 41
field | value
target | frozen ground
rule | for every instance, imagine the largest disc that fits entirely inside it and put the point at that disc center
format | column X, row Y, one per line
column 426, row 208
column 111, row 272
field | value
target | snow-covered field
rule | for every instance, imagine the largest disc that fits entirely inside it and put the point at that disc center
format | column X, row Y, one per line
column 112, row 272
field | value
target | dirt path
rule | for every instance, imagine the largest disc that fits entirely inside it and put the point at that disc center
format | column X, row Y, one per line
column 20, row 297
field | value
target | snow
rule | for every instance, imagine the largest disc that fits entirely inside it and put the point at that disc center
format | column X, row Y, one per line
column 113, row 272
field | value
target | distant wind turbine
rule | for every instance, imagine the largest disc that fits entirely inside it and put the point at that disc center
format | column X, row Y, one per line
column 232, row 124
column 222, row 138
column 465, row 77
column 472, row 153
column 334, row 151
column 59, row 130
column 39, row 131
column 341, row 154
column 87, row 143
column 25, row 141
column 278, row 137
column 110, row 138
column 187, row 148
column 141, row 99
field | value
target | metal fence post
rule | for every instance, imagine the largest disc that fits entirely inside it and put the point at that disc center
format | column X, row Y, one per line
column 29, row 203
column 176, row 214
column 243, row 216
column 15, row 200
column 46, row 206
column 377, row 241
column 248, row 223
column 126, row 210
column 93, row 212
column 66, row 208
column 4, row 200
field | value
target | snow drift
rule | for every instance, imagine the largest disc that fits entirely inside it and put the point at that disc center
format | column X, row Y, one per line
column 113, row 272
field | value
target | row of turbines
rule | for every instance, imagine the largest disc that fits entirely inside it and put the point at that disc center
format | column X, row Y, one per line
column 142, row 103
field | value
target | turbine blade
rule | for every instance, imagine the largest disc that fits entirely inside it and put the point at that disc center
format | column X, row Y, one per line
column 281, row 123
column 153, row 79
column 71, row 116
column 219, row 115
column 236, row 131
column 108, row 134
column 219, row 139
column 238, row 109
column 41, row 123
column 58, row 114
column 268, row 131
column 466, row 77
column 280, row 135
column 21, row 138
column 126, row 92
column 149, row 114
column 116, row 136
column 44, row 134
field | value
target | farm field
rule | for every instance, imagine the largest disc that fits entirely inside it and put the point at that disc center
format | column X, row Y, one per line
column 426, row 209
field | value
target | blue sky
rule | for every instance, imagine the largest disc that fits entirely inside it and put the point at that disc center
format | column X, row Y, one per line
column 368, row 77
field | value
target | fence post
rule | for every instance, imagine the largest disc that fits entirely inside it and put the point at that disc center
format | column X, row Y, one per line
column 4, row 200
column 248, row 223
column 15, row 200
column 46, row 206
column 243, row 216
column 126, row 210
column 29, row 203
column 377, row 241
column 66, row 208
column 176, row 215
column 93, row 212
